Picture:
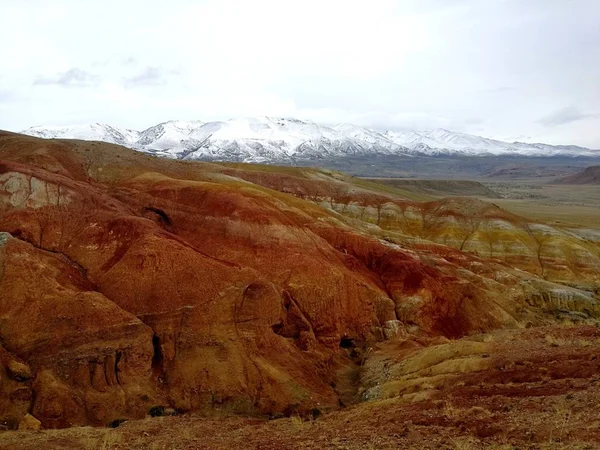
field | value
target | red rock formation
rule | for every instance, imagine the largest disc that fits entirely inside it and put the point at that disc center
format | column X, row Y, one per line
column 128, row 282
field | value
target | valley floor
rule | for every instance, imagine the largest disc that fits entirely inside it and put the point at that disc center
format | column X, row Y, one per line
column 567, row 205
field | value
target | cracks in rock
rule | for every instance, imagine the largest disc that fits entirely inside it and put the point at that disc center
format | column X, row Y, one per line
column 346, row 342
column 176, row 238
column 383, row 287
column 64, row 258
column 277, row 327
column 368, row 265
column 163, row 352
column 261, row 381
column 388, row 293
column 295, row 321
column 292, row 301
column 163, row 218
column 157, row 356
column 117, row 370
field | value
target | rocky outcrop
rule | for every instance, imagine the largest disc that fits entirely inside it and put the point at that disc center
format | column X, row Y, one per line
column 536, row 362
column 87, row 359
column 28, row 422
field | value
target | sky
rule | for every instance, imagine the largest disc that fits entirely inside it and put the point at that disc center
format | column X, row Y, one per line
column 506, row 69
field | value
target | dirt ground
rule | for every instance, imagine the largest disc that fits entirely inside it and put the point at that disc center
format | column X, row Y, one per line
column 548, row 423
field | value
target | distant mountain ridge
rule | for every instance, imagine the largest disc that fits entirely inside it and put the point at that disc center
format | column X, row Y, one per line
column 267, row 139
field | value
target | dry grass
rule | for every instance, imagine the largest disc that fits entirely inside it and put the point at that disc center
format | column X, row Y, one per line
column 561, row 215
column 557, row 342
column 553, row 341
column 297, row 422
column 361, row 428
column 463, row 444
column 111, row 441
column 451, row 411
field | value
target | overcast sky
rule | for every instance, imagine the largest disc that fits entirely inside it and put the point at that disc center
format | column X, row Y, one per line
column 508, row 69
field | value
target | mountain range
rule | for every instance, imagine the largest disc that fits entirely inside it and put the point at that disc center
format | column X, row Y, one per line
column 268, row 139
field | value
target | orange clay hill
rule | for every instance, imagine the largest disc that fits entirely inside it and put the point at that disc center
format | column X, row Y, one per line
column 129, row 282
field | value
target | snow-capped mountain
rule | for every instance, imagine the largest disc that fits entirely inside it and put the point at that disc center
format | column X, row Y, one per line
column 261, row 139
column 91, row 132
column 266, row 139
column 441, row 141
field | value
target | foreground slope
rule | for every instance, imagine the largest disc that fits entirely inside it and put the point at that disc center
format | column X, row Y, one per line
column 534, row 388
column 128, row 281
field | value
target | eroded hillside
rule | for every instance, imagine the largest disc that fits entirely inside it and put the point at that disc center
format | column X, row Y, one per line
column 128, row 281
column 590, row 175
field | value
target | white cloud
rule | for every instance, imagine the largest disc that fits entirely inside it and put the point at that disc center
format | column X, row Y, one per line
column 71, row 78
column 565, row 115
column 496, row 68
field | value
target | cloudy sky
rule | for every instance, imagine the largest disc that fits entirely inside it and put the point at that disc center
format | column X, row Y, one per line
column 508, row 69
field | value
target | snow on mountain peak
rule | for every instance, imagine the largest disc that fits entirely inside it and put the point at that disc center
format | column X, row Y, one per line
column 89, row 132
column 266, row 139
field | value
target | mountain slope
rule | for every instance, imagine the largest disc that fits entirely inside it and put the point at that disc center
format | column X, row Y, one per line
column 266, row 139
column 444, row 141
column 91, row 132
column 591, row 175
